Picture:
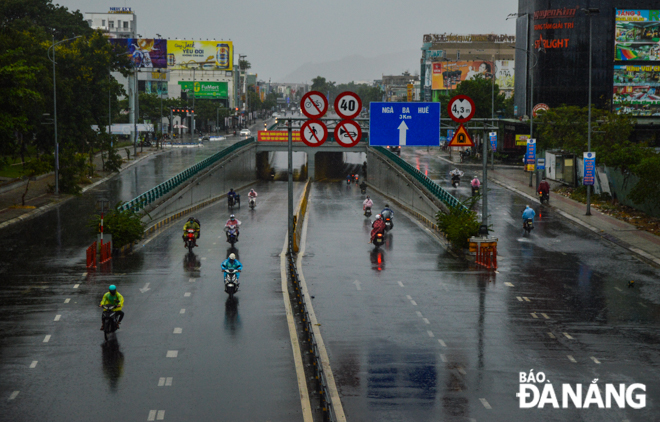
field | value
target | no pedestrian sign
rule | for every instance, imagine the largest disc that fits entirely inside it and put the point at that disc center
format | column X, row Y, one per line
column 314, row 133
column 314, row 105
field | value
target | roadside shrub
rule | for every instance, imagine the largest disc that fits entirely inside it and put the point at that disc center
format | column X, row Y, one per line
column 460, row 224
column 124, row 225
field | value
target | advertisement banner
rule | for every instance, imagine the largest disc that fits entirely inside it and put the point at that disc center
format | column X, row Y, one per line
column 504, row 74
column 446, row 75
column 521, row 140
column 144, row 52
column 637, row 35
column 589, row 168
column 530, row 154
column 208, row 55
column 493, row 140
column 206, row 89
column 277, row 136
column 409, row 92
column 637, row 89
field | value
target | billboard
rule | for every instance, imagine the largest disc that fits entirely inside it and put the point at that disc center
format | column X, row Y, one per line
column 637, row 35
column 206, row 89
column 144, row 52
column 504, row 74
column 207, row 55
column 446, row 75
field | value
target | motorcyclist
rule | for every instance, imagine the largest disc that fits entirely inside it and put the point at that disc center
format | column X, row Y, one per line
column 252, row 194
column 475, row 184
column 356, row 177
column 456, row 175
column 386, row 210
column 378, row 226
column 232, row 263
column 112, row 297
column 192, row 223
column 544, row 188
column 232, row 224
column 363, row 186
column 368, row 203
column 231, row 195
column 528, row 214
column 348, row 179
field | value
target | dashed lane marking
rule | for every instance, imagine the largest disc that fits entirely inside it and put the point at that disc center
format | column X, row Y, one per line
column 13, row 395
column 430, row 333
column 519, row 298
column 408, row 297
column 186, row 294
column 443, row 358
column 165, row 382
column 419, row 314
column 568, row 336
column 545, row 316
column 172, row 354
column 84, row 275
column 551, row 335
column 618, row 289
column 168, row 382
column 596, row 361
column 178, row 330
column 75, row 286
column 34, row 364
column 461, row 370
column 156, row 415
column 413, row 303
column 508, row 284
column 46, row 339
column 182, row 311
column 534, row 315
column 442, row 343
column 67, row 300
column 485, row 403
column 526, row 299
column 571, row 358
column 426, row 320
column 204, row 258
column 191, row 280
column 401, row 284
column 57, row 317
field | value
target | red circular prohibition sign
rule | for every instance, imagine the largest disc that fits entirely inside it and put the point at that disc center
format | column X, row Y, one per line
column 348, row 133
column 316, row 139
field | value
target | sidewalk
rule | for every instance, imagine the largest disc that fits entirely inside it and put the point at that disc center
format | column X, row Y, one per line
column 643, row 244
column 38, row 199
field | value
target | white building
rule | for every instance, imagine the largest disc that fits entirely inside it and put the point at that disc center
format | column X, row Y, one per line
column 118, row 22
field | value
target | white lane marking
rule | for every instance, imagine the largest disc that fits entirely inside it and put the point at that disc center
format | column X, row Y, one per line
column 508, row 284
column 357, row 285
column 186, row 294
column 178, row 330
column 34, row 364
column 595, row 360
column 203, row 258
column 84, row 275
column 208, row 250
column 325, row 359
column 430, row 333
column 568, row 336
column 485, row 403
column 545, row 316
column 168, row 382
column 419, row 314
column 161, row 381
column 526, row 299
column 172, row 354
column 160, row 415
column 426, row 320
column 497, row 272
column 13, row 395
column 145, row 288
column 182, row 311
column 401, row 284
column 551, row 335
column 75, row 286
column 408, row 297
column 215, row 243
column 571, row 358
column 57, row 317
column 534, row 315
column 519, row 298
column 413, row 303
column 442, row 343
column 152, row 415
column 641, row 304
column 618, row 289
column 461, row 370
column 191, row 280
column 46, row 339
column 443, row 358
column 67, row 300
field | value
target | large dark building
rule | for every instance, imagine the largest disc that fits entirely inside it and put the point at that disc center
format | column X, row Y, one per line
column 552, row 45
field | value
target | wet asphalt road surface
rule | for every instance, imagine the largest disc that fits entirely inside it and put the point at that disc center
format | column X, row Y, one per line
column 415, row 334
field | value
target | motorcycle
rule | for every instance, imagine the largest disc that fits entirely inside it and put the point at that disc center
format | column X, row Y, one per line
column 387, row 217
column 544, row 197
column 348, row 182
column 109, row 320
column 231, row 201
column 231, row 282
column 379, row 240
column 232, row 234
column 252, row 203
column 528, row 225
column 367, row 212
column 455, row 181
column 363, row 191
column 189, row 240
column 475, row 190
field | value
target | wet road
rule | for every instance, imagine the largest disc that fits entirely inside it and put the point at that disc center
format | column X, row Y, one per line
column 183, row 349
column 414, row 334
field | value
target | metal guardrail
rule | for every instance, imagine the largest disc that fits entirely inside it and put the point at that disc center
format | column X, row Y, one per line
column 139, row 202
column 324, row 396
column 429, row 184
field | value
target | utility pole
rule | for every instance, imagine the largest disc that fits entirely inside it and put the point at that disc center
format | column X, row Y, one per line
column 192, row 121
column 590, row 12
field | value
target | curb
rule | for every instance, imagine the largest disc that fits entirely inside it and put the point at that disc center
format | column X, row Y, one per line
column 497, row 166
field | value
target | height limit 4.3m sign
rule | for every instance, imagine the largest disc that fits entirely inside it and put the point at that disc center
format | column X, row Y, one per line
column 461, row 109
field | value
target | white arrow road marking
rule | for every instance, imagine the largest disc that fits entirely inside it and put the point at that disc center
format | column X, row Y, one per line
column 145, row 288
column 34, row 364
column 357, row 284
column 402, row 133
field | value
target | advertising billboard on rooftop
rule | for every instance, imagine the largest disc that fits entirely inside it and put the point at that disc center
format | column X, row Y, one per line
column 637, row 35
column 144, row 52
column 205, row 55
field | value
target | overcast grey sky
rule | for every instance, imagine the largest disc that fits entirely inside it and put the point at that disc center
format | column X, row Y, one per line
column 280, row 36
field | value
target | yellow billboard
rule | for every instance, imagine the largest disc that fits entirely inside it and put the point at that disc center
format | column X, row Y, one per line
column 206, row 55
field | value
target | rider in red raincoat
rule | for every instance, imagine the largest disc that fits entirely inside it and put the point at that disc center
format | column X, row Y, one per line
column 378, row 227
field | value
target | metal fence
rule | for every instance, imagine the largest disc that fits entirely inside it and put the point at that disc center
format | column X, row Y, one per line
column 138, row 203
column 429, row 184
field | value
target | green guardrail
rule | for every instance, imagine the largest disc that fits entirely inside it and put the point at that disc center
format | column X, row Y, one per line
column 429, row 184
column 138, row 203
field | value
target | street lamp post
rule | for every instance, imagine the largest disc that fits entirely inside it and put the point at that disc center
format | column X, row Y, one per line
column 57, row 152
column 192, row 121
column 590, row 12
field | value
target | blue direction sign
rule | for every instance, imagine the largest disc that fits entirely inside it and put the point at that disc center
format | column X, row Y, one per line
column 404, row 124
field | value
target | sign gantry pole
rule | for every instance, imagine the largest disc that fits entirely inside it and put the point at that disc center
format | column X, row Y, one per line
column 290, row 174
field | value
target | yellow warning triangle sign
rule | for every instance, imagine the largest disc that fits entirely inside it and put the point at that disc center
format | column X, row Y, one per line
column 461, row 138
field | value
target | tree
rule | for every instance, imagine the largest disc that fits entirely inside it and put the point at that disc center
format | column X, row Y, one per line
column 125, row 226
column 36, row 166
column 481, row 90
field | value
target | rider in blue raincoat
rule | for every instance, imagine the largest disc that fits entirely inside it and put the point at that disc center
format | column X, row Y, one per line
column 232, row 263
column 528, row 213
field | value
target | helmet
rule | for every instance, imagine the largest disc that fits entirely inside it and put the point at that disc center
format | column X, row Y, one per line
column 232, row 217
column 112, row 289
column 378, row 217
column 231, row 189
column 368, row 197
column 191, row 219
column 387, row 206
column 232, row 256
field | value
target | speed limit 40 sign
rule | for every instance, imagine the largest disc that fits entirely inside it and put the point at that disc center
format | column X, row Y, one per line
column 348, row 105
column 461, row 109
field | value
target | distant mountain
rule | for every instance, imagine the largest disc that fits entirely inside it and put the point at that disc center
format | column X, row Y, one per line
column 357, row 68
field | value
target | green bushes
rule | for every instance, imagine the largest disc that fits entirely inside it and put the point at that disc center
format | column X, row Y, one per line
column 124, row 225
column 460, row 224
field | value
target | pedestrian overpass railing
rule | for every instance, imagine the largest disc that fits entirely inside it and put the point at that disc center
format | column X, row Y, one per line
column 139, row 202
column 429, row 184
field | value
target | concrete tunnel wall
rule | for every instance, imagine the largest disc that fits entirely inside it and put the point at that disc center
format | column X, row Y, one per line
column 389, row 179
column 234, row 171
